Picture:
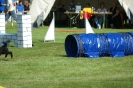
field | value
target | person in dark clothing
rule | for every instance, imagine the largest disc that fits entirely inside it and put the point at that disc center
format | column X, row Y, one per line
column 26, row 8
column 114, row 18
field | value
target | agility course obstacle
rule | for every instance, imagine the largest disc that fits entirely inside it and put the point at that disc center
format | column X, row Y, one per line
column 50, row 34
column 95, row 45
column 23, row 37
column 88, row 27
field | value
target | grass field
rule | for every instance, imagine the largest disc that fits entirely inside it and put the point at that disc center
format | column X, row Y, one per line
column 46, row 65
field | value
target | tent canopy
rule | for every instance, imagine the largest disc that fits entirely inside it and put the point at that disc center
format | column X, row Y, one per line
column 128, row 7
column 40, row 6
column 45, row 6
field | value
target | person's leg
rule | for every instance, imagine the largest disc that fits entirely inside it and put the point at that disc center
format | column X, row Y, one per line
column 14, row 16
column 115, row 22
column 100, row 21
column 82, row 23
column 96, row 21
column 7, row 17
column 110, row 20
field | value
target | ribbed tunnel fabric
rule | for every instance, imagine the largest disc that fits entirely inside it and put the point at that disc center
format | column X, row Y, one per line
column 96, row 45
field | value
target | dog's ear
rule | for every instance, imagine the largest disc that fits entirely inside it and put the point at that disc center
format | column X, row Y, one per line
column 5, row 44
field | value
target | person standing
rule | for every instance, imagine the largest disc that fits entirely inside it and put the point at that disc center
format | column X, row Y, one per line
column 10, row 11
column 20, row 8
column 99, row 18
column 2, row 6
column 26, row 7
column 15, row 4
column 114, row 18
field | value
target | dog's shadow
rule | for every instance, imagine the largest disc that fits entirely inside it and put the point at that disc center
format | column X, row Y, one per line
column 4, row 59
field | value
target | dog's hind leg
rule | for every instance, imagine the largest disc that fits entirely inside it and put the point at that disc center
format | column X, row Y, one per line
column 11, row 54
column 6, row 55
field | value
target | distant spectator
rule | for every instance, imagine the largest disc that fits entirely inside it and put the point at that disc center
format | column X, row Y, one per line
column 26, row 7
column 15, row 4
column 20, row 8
column 99, row 18
column 10, row 11
column 85, row 13
column 62, row 9
column 114, row 18
column 2, row 6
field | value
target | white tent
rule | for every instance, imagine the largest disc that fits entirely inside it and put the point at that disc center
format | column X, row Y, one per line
column 128, row 7
column 39, row 7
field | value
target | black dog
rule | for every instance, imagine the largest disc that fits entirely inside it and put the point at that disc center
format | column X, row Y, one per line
column 4, row 50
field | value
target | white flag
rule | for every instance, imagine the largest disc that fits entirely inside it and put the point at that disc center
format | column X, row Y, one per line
column 88, row 27
column 50, row 35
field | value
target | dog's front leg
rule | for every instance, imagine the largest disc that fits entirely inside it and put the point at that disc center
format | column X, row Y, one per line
column 6, row 54
column 10, row 54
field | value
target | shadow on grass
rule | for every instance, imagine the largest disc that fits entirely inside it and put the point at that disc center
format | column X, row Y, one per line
column 4, row 59
column 62, row 55
column 67, row 56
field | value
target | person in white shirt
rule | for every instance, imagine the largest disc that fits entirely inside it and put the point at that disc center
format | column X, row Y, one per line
column 15, row 3
column 99, row 18
column 10, row 11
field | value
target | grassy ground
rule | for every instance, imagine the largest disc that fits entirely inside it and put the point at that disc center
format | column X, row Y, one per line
column 46, row 65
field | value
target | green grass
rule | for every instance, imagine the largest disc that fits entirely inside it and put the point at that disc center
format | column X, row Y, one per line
column 46, row 65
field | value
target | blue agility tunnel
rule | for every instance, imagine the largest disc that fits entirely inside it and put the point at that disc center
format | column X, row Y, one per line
column 96, row 45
